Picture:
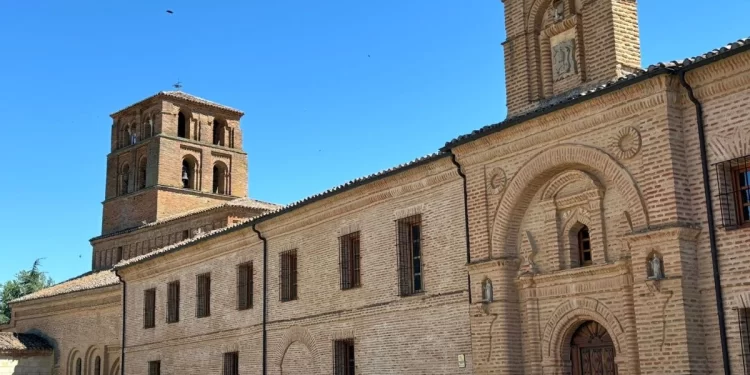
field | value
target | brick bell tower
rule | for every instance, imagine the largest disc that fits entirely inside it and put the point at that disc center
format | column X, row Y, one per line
column 171, row 153
column 555, row 47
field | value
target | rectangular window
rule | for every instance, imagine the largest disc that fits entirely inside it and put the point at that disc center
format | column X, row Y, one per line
column 245, row 286
column 288, row 276
column 173, row 302
column 733, row 177
column 349, row 260
column 154, row 368
column 231, row 363
column 185, row 234
column 149, row 308
column 343, row 357
column 411, row 280
column 203, row 295
column 118, row 254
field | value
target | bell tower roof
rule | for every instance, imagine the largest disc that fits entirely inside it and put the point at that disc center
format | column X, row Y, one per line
column 183, row 96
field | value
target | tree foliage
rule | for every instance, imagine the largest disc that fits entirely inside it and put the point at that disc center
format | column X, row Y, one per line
column 26, row 282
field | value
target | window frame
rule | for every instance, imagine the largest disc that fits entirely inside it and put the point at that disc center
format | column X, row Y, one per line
column 288, row 282
column 350, row 271
column 739, row 190
column 730, row 192
column 149, row 308
column 245, row 286
column 231, row 363
column 409, row 277
column 154, row 367
column 582, row 251
column 344, row 357
column 173, row 301
column 203, row 295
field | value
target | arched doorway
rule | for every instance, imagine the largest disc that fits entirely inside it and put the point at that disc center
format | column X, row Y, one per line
column 592, row 351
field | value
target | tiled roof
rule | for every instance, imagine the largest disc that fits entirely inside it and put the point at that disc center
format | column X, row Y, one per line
column 184, row 96
column 577, row 96
column 87, row 281
column 281, row 210
column 22, row 342
column 239, row 202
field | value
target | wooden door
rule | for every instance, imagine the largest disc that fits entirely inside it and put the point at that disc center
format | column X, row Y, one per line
column 592, row 351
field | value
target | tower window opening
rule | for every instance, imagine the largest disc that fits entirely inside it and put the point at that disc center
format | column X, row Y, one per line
column 181, row 126
column 220, row 179
column 125, row 180
column 142, row 173
column 188, row 176
column 219, row 132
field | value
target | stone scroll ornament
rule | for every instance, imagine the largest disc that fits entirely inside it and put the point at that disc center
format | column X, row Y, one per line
column 563, row 59
column 626, row 143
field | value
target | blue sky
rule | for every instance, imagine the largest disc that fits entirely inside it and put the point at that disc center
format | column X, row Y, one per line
column 332, row 90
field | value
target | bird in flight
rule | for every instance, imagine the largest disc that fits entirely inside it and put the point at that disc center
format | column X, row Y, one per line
column 170, row 11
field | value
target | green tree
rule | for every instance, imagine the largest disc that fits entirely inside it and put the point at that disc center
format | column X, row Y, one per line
column 26, row 282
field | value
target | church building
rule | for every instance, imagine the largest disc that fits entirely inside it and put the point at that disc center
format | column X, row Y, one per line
column 602, row 228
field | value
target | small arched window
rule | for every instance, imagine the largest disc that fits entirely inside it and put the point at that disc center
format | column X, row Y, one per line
column 584, row 247
column 182, row 130
column 142, row 173
column 125, row 179
column 188, row 177
column 148, row 127
column 98, row 366
column 219, row 132
column 220, row 179
column 79, row 367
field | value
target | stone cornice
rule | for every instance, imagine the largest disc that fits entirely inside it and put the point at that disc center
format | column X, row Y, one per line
column 621, row 267
column 664, row 233
column 70, row 302
column 589, row 116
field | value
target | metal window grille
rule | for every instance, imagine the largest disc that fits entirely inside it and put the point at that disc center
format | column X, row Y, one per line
column 410, row 255
column 743, row 320
column 288, row 276
column 733, row 178
column 149, row 308
column 245, row 286
column 349, row 260
column 154, row 368
column 343, row 357
column 584, row 247
column 231, row 363
column 173, row 302
column 203, row 295
column 98, row 366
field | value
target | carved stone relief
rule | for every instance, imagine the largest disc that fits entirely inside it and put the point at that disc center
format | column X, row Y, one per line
column 626, row 143
column 563, row 59
column 496, row 180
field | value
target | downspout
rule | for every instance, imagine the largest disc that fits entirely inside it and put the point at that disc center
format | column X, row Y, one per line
column 265, row 299
column 466, row 220
column 711, row 226
column 122, row 342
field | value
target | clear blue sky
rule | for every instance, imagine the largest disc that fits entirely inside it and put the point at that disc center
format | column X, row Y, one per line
column 332, row 90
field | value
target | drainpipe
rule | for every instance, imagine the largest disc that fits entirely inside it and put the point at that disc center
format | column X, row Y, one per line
column 466, row 219
column 710, row 217
column 122, row 342
column 265, row 299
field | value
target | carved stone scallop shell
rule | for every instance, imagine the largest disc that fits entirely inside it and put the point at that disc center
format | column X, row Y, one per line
column 627, row 143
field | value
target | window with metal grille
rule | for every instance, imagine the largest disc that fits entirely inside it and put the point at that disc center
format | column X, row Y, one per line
column 203, row 295
column 584, row 247
column 288, row 276
column 733, row 177
column 343, row 357
column 410, row 274
column 245, row 286
column 231, row 363
column 349, row 260
column 743, row 319
column 154, row 368
column 173, row 302
column 149, row 308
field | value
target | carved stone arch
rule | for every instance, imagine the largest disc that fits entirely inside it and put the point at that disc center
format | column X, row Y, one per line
column 532, row 175
column 91, row 353
column 568, row 316
column 115, row 368
column 296, row 334
column 70, row 364
column 557, row 183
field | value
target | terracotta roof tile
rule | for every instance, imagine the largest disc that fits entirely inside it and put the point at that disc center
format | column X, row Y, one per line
column 574, row 96
column 239, row 202
column 87, row 281
column 22, row 342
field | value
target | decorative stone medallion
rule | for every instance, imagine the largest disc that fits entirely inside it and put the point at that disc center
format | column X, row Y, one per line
column 496, row 180
column 563, row 59
column 626, row 143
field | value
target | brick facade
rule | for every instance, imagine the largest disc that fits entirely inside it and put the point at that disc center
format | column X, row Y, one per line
column 588, row 212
